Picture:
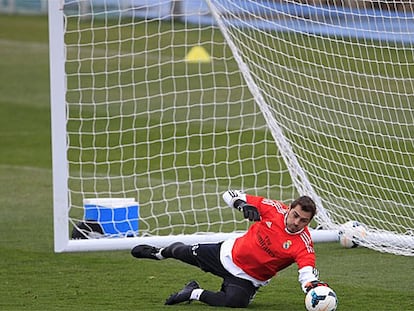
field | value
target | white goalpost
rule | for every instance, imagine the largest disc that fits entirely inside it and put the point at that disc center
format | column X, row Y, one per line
column 158, row 107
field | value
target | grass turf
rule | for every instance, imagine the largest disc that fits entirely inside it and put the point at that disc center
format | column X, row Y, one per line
column 33, row 277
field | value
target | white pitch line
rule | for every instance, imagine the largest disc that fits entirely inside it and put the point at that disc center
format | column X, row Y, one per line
column 25, row 168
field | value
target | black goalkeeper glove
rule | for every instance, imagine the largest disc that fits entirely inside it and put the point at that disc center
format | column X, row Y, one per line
column 237, row 199
column 249, row 211
column 313, row 284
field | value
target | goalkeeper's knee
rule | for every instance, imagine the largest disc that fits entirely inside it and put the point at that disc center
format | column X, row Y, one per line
column 181, row 252
column 175, row 250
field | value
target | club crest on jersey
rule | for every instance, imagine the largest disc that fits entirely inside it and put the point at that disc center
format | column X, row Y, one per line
column 287, row 244
column 269, row 224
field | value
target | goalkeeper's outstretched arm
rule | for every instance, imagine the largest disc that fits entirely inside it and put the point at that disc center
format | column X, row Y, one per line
column 234, row 198
column 237, row 199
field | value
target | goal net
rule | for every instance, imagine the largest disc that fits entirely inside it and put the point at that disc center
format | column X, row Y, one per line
column 158, row 107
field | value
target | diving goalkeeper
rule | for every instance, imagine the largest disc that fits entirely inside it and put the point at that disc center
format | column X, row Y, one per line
column 278, row 238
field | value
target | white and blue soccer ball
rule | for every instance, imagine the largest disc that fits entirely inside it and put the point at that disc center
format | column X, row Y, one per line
column 351, row 233
column 321, row 298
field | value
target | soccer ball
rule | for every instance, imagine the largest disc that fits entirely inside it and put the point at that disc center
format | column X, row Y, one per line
column 351, row 233
column 321, row 298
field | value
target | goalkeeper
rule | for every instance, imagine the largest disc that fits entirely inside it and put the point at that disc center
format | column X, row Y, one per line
column 278, row 238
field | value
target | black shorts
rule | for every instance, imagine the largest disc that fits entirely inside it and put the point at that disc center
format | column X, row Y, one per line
column 208, row 258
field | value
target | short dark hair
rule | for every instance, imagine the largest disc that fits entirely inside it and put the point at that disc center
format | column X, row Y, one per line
column 306, row 203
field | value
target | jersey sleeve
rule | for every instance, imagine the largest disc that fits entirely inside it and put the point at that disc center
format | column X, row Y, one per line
column 254, row 200
column 306, row 254
column 306, row 261
column 266, row 207
column 307, row 274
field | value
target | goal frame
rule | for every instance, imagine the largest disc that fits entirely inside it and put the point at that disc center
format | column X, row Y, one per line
column 58, row 126
column 62, row 241
column 299, row 172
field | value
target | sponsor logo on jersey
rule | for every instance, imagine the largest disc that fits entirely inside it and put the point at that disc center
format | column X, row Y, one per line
column 265, row 243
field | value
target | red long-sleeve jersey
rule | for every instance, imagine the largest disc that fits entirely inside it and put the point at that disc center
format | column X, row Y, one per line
column 267, row 247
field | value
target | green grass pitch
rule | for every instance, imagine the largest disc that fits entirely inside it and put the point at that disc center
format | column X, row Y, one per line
column 33, row 277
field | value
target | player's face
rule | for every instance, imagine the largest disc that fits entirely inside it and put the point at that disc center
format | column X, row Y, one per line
column 297, row 219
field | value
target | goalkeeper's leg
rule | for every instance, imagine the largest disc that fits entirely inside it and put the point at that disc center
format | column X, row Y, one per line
column 235, row 293
column 181, row 252
column 176, row 250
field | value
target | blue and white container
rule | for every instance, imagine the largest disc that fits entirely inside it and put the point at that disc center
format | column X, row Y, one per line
column 118, row 217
